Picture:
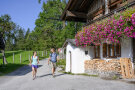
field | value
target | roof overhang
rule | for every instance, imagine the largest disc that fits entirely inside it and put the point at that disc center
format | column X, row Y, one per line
column 76, row 10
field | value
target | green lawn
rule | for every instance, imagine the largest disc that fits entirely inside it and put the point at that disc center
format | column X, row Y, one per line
column 24, row 60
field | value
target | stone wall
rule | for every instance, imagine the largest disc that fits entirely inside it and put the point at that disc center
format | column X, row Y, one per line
column 103, row 68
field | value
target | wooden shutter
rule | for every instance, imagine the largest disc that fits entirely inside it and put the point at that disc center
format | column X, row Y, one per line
column 104, row 49
column 118, row 50
column 113, row 51
column 95, row 51
column 98, row 51
column 108, row 50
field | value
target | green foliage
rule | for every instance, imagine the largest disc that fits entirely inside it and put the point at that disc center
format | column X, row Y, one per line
column 50, row 32
column 62, row 64
column 128, row 13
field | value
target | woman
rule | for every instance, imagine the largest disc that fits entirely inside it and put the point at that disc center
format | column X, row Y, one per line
column 35, row 62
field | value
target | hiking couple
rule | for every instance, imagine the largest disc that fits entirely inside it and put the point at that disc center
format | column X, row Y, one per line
column 35, row 61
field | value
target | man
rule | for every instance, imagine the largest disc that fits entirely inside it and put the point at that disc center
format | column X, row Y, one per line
column 53, row 58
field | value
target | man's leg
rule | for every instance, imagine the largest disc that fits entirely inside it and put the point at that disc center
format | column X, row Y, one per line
column 53, row 69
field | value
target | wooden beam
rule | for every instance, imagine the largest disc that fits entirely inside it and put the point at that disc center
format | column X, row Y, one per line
column 115, row 2
column 75, row 14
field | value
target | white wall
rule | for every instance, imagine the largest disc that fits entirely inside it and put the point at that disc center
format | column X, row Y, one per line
column 78, row 58
column 68, row 48
column 126, row 49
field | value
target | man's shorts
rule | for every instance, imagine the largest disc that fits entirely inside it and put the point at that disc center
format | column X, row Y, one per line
column 53, row 65
column 35, row 66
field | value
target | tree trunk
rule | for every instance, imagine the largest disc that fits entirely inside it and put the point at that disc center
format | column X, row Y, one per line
column 4, row 59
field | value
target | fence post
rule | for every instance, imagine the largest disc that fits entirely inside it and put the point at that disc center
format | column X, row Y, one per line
column 42, row 53
column 20, row 58
column 46, row 53
column 13, row 57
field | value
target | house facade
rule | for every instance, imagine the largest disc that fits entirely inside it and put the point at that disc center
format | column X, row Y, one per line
column 89, row 12
column 75, row 56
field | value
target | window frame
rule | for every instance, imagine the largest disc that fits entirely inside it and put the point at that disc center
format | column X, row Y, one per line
column 111, row 50
column 97, row 51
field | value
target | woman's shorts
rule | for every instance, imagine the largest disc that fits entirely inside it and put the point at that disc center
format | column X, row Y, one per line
column 35, row 66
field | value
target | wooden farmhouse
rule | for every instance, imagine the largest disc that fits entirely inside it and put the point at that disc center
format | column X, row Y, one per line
column 106, row 58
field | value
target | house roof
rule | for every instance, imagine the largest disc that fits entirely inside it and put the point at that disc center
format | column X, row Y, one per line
column 76, row 10
column 71, row 41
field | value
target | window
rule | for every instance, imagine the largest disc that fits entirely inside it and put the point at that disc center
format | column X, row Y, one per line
column 97, row 51
column 86, row 52
column 111, row 50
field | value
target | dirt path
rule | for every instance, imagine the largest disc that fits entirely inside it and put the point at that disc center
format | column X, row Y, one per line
column 21, row 79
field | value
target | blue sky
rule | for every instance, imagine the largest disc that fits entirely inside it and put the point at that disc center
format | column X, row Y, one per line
column 22, row 12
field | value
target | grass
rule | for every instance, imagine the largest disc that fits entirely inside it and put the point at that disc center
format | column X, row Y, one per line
column 10, row 67
column 62, row 64
column 83, row 74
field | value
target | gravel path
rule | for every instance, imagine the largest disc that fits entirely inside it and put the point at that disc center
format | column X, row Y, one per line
column 21, row 79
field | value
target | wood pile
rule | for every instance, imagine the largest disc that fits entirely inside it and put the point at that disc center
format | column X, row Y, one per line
column 121, row 66
column 103, row 65
column 127, row 68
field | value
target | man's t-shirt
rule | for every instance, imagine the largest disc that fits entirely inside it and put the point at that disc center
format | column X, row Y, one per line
column 53, row 57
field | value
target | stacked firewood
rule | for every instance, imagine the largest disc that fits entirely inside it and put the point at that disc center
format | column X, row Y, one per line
column 103, row 65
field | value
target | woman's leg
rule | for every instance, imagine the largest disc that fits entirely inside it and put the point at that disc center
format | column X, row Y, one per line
column 33, row 71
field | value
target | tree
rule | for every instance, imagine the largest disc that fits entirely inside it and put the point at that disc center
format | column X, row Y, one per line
column 6, row 28
column 50, row 31
column 20, row 39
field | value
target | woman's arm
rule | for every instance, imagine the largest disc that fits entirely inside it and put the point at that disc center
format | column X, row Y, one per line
column 31, row 60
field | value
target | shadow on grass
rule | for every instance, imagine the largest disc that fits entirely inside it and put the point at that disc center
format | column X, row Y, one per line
column 18, row 69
